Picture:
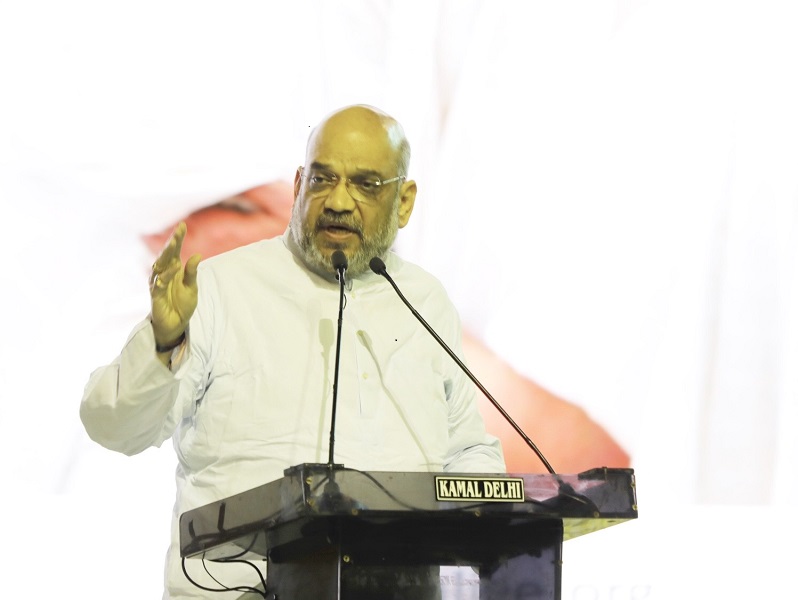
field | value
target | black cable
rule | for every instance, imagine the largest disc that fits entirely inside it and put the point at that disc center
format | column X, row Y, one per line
column 243, row 562
column 242, row 588
column 205, row 566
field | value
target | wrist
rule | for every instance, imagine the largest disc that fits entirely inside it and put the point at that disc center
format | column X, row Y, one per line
column 164, row 348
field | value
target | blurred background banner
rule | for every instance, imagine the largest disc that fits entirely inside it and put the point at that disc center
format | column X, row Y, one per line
column 608, row 190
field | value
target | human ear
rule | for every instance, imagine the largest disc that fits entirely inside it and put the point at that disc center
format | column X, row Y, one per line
column 407, row 199
column 297, row 182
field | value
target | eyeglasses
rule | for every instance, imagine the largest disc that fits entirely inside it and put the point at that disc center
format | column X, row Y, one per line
column 362, row 188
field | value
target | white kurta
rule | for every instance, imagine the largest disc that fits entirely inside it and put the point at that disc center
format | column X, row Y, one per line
column 254, row 394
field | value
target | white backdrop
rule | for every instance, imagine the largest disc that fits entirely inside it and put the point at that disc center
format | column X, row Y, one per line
column 608, row 190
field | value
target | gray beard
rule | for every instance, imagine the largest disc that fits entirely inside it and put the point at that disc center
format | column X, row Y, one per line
column 377, row 244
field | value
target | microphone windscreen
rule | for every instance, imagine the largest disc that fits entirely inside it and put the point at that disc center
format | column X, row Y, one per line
column 377, row 265
column 339, row 261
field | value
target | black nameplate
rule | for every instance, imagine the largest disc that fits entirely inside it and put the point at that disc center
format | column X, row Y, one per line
column 479, row 489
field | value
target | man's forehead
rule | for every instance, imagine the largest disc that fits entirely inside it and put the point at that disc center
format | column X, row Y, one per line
column 353, row 147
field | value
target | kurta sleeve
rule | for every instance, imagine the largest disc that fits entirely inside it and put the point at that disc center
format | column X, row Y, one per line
column 471, row 448
column 131, row 404
column 136, row 401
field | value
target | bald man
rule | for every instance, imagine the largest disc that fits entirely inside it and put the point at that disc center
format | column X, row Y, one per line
column 235, row 361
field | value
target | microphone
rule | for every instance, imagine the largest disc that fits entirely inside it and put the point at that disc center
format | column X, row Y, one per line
column 340, row 264
column 378, row 266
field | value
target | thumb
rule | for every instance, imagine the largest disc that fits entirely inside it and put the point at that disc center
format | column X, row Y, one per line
column 190, row 272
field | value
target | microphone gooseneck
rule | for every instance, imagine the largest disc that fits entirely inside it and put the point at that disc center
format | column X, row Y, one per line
column 340, row 264
column 378, row 266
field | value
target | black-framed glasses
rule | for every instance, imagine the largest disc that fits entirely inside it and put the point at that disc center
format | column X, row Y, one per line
column 362, row 188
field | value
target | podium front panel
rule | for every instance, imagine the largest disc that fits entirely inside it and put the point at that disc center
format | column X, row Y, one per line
column 355, row 535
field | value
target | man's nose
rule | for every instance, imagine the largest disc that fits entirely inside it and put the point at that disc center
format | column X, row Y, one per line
column 339, row 199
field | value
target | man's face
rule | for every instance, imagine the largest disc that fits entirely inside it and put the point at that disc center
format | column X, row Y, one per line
column 338, row 217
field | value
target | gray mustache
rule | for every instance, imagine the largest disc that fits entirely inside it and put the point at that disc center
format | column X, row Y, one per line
column 343, row 222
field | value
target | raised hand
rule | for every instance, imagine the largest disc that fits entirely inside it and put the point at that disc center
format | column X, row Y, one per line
column 173, row 290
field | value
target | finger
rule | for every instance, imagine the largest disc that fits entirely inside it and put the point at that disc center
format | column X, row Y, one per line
column 178, row 236
column 190, row 272
column 171, row 250
column 159, row 282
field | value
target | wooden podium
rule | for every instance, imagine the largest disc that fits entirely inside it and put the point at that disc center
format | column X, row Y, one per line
column 355, row 535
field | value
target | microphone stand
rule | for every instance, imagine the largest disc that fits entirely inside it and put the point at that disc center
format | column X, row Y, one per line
column 332, row 499
column 379, row 267
column 340, row 264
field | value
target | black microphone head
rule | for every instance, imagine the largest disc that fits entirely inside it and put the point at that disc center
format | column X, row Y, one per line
column 339, row 261
column 377, row 265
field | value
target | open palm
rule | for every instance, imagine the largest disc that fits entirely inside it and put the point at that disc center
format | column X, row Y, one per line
column 173, row 290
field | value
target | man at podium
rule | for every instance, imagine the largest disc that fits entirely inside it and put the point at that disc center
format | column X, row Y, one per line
column 240, row 363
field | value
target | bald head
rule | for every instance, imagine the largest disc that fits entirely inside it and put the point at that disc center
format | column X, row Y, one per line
column 354, row 124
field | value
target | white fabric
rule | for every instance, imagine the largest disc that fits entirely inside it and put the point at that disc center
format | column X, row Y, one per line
column 253, row 396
